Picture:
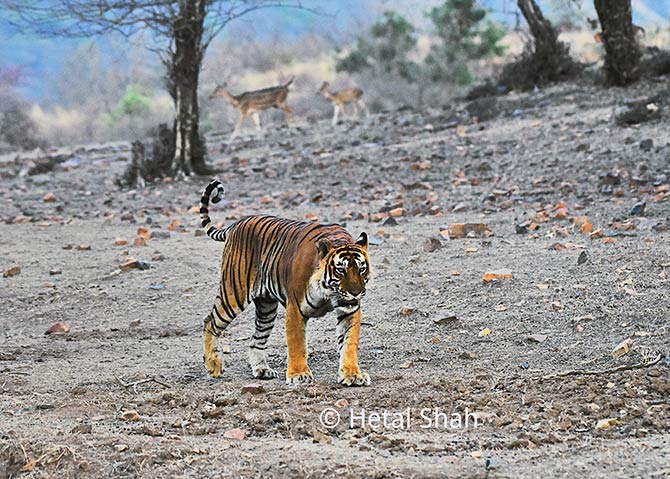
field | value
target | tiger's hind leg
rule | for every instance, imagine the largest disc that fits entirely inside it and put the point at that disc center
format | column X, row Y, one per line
column 215, row 323
column 266, row 313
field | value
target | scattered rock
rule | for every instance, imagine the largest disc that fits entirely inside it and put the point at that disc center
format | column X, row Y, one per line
column 431, row 244
column 238, row 434
column 390, row 221
column 321, row 438
column 638, row 208
column 130, row 415
column 583, row 258
column 537, row 338
column 647, row 144
column 469, row 230
column 446, row 320
column 134, row 264
column 622, row 348
column 468, row 355
column 606, row 423
column 253, row 389
column 11, row 271
column 82, row 429
column 58, row 328
column 49, row 198
column 485, row 332
column 491, row 276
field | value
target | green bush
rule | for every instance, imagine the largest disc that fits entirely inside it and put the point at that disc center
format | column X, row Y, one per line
column 133, row 103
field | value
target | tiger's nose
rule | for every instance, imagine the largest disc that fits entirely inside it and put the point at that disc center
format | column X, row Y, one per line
column 359, row 294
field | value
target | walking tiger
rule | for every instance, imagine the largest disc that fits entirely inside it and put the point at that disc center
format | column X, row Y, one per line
column 309, row 268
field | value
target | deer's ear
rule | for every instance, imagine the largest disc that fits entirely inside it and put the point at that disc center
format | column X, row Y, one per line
column 323, row 246
column 362, row 241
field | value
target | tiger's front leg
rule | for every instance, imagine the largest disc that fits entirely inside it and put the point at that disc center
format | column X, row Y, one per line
column 297, row 371
column 348, row 333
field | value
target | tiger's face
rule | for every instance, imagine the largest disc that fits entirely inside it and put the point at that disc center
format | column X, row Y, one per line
column 346, row 271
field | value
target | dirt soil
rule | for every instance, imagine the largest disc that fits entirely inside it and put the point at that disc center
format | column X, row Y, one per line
column 124, row 393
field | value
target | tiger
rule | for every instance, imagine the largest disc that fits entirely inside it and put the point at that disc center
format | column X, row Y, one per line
column 309, row 268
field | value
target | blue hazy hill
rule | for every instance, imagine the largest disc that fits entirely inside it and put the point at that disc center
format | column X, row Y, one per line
column 42, row 57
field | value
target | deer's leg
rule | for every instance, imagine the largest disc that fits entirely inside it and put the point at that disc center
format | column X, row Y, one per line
column 257, row 120
column 287, row 111
column 355, row 109
column 364, row 107
column 238, row 125
column 336, row 112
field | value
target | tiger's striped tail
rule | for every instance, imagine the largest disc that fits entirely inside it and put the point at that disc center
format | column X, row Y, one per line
column 215, row 187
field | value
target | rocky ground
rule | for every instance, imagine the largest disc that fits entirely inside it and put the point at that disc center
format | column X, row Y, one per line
column 118, row 389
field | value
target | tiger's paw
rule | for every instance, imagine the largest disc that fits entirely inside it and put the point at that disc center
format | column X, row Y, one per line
column 299, row 377
column 355, row 378
column 264, row 372
column 214, row 365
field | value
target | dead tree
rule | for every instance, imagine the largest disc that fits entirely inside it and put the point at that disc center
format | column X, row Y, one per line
column 183, row 29
column 545, row 59
column 622, row 52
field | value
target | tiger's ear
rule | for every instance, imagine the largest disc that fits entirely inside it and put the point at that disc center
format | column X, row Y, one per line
column 323, row 246
column 362, row 241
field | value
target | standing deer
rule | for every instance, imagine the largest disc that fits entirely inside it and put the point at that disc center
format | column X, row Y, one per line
column 252, row 102
column 342, row 97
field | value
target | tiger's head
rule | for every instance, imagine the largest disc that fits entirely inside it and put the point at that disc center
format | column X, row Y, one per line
column 346, row 270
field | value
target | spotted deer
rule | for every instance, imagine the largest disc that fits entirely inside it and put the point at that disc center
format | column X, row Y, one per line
column 252, row 102
column 342, row 97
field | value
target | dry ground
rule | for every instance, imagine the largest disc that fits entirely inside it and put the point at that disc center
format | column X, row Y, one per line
column 62, row 397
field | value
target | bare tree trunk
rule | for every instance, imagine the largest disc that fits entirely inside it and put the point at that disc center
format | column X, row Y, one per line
column 545, row 59
column 622, row 53
column 183, row 76
column 544, row 34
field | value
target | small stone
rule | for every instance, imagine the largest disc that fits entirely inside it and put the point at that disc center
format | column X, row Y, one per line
column 11, row 271
column 468, row 355
column 583, row 258
column 647, row 144
column 638, row 208
column 130, row 416
column 537, row 338
column 321, row 438
column 390, row 221
column 407, row 364
column 82, row 429
column 492, row 462
column 58, row 328
column 238, row 434
column 431, row 244
column 491, row 276
column 341, row 403
column 622, row 348
column 49, row 198
column 446, row 320
column 253, row 389
column 606, row 423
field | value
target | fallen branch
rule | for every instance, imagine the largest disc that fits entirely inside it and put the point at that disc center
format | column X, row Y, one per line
column 590, row 372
